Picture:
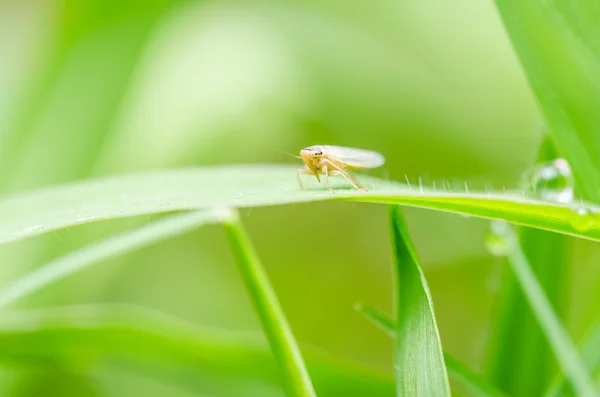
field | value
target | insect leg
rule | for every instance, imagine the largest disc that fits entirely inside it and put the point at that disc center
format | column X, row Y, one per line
column 298, row 172
column 305, row 171
column 326, row 172
column 352, row 181
column 356, row 182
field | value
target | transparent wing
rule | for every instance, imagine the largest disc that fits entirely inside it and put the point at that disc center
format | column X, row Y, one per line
column 353, row 157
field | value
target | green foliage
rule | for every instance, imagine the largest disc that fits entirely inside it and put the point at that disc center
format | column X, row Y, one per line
column 170, row 349
column 458, row 372
column 113, row 115
column 420, row 368
column 120, row 244
column 42, row 211
column 588, row 352
column 555, row 332
column 559, row 49
column 527, row 369
column 274, row 323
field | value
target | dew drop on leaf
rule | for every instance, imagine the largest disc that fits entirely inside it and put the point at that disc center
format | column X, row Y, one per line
column 552, row 181
column 499, row 241
column 584, row 219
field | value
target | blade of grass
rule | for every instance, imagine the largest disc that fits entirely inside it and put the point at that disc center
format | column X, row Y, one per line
column 91, row 58
column 378, row 318
column 471, row 381
column 420, row 368
column 205, row 360
column 477, row 385
column 92, row 254
column 556, row 334
column 527, row 368
column 36, row 212
column 589, row 348
column 557, row 43
column 264, row 299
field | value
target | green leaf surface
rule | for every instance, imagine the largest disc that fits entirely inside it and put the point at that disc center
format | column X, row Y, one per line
column 420, row 368
column 30, row 213
column 263, row 297
column 212, row 361
column 111, row 247
column 557, row 43
column 458, row 372
column 558, row 337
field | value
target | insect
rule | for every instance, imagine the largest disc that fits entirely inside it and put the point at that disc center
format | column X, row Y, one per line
column 337, row 161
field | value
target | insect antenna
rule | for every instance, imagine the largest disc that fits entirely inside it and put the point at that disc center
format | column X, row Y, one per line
column 289, row 154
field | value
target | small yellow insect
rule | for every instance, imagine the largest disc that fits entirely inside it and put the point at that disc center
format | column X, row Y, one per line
column 337, row 161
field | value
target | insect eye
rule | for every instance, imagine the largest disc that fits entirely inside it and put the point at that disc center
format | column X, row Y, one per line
column 317, row 154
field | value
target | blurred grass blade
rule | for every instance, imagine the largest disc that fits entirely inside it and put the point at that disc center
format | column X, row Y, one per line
column 420, row 368
column 205, row 360
column 558, row 337
column 264, row 299
column 559, row 47
column 458, row 372
column 528, row 367
column 378, row 318
column 90, row 55
column 589, row 355
column 28, row 214
column 471, row 381
column 87, row 256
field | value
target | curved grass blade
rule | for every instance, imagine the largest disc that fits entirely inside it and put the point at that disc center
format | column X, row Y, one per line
column 27, row 214
column 420, row 367
column 458, row 372
column 111, row 247
column 212, row 361
column 264, row 299
column 557, row 43
column 558, row 337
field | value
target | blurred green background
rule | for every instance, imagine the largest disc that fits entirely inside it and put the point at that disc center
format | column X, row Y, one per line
column 91, row 88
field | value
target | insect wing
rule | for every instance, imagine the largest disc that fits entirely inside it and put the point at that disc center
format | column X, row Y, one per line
column 358, row 158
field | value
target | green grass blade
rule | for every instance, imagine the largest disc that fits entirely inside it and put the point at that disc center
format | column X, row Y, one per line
column 589, row 349
column 471, row 381
column 204, row 360
column 378, row 318
column 92, row 254
column 420, row 368
column 557, row 43
column 36, row 212
column 274, row 323
column 558, row 337
column 458, row 372
column 527, row 368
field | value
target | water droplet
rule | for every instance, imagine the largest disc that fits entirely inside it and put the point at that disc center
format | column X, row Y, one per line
column 499, row 241
column 552, row 181
column 584, row 219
